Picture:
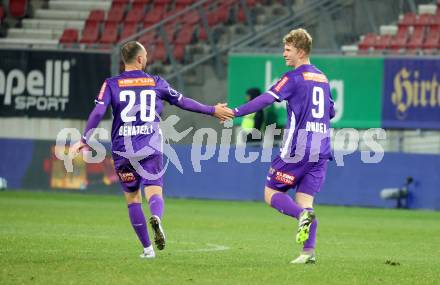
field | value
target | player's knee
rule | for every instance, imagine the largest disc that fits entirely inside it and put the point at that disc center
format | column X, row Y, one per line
column 267, row 199
column 152, row 190
column 268, row 193
column 133, row 197
column 304, row 200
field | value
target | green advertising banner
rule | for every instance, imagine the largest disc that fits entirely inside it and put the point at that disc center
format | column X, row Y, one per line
column 356, row 84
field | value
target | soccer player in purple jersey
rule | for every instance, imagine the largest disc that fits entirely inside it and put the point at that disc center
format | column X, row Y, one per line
column 302, row 162
column 137, row 99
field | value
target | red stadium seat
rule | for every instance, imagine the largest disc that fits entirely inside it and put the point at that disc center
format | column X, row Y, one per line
column 436, row 20
column 170, row 31
column 212, row 18
column 163, row 3
column 185, row 35
column 192, row 18
column 223, row 12
column 383, row 42
column 135, row 15
column 241, row 16
column 417, row 37
column 208, row 4
column 184, row 2
column 179, row 52
column 148, row 38
column 120, row 3
column 202, row 34
column 399, row 41
column 128, row 30
column 116, row 14
column 409, row 19
column 141, row 2
column 69, row 36
column 2, row 14
column 139, row 7
column 153, row 17
column 96, row 16
column 425, row 20
column 251, row 3
column 170, row 14
column 90, row 33
column 159, row 53
column 367, row 42
column 110, row 33
column 432, row 38
column 17, row 8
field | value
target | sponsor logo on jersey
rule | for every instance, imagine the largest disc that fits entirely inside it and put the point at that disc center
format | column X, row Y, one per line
column 315, row 77
column 101, row 92
column 136, row 82
column 280, row 84
column 285, row 178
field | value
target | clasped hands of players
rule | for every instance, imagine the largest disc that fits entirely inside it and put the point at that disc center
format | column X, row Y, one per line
column 223, row 113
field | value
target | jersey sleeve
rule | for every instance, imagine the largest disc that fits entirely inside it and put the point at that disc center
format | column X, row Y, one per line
column 104, row 96
column 166, row 92
column 282, row 90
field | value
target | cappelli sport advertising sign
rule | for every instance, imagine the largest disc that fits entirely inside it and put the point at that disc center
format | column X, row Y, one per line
column 50, row 83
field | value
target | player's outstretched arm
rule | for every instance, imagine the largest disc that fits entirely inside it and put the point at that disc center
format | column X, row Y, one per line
column 254, row 105
column 219, row 111
column 95, row 118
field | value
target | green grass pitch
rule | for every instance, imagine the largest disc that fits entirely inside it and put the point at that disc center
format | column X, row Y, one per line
column 65, row 238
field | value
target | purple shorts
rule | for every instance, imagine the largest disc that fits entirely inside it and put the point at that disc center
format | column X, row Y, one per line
column 148, row 172
column 308, row 177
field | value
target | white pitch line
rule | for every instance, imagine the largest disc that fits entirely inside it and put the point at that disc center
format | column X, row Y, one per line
column 212, row 247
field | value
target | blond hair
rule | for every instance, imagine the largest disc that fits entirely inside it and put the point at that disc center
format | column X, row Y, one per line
column 300, row 39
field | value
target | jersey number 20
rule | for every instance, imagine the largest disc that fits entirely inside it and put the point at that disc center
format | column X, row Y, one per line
column 131, row 96
column 318, row 102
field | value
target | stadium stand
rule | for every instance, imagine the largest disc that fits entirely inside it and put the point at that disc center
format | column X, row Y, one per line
column 101, row 24
column 413, row 33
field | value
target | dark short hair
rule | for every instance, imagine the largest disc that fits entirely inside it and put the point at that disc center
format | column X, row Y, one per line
column 129, row 51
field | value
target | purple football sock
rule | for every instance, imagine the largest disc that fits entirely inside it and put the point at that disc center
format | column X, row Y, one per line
column 138, row 222
column 156, row 206
column 285, row 205
column 309, row 245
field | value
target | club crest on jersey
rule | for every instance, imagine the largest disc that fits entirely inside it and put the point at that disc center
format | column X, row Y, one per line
column 126, row 176
column 285, row 178
column 281, row 83
column 173, row 92
column 136, row 82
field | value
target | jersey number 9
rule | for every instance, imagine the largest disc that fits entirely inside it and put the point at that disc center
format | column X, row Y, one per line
column 318, row 102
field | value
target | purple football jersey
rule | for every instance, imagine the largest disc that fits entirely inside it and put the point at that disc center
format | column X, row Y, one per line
column 137, row 100
column 309, row 110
